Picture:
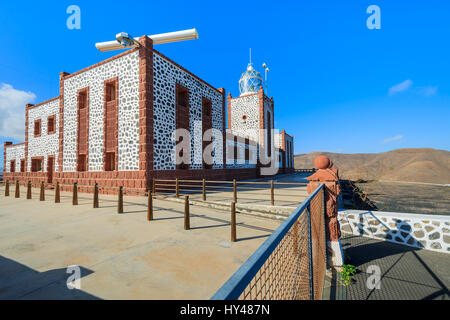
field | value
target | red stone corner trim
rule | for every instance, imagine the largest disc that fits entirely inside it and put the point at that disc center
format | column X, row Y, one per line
column 146, row 107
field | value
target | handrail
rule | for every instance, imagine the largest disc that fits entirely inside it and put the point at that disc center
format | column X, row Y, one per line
column 234, row 287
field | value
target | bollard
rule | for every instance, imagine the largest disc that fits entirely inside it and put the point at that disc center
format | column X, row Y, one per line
column 120, row 201
column 233, row 222
column 204, row 189
column 7, row 189
column 187, row 224
column 234, row 190
column 42, row 195
column 29, row 190
column 17, row 195
column 57, row 195
column 75, row 194
column 153, row 186
column 150, row 206
column 95, row 204
column 177, row 190
column 272, row 194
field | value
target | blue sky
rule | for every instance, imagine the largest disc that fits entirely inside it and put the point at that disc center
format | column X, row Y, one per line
column 337, row 85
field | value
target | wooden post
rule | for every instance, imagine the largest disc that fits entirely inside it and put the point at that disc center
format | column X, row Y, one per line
column 272, row 194
column 187, row 224
column 153, row 186
column 29, row 195
column 233, row 222
column 234, row 190
column 75, row 194
column 42, row 196
column 7, row 189
column 204, row 189
column 95, row 204
column 57, row 195
column 150, row 206
column 17, row 195
column 177, row 190
column 120, row 201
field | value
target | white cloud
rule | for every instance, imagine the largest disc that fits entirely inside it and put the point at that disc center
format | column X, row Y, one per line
column 401, row 87
column 396, row 138
column 428, row 91
column 12, row 111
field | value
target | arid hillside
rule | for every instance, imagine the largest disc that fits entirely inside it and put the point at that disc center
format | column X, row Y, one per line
column 415, row 165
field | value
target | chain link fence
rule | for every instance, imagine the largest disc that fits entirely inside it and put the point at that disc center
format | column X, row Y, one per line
column 290, row 264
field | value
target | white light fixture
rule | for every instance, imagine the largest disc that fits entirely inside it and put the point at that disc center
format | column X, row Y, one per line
column 125, row 41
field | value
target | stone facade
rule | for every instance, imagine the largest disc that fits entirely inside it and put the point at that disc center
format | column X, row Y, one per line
column 126, row 68
column 430, row 232
column 47, row 143
column 14, row 152
column 166, row 76
column 128, row 140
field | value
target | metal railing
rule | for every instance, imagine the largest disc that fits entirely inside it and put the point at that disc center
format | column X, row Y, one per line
column 275, row 192
column 290, row 264
column 313, row 170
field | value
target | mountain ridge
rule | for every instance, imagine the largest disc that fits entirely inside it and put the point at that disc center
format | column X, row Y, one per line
column 408, row 164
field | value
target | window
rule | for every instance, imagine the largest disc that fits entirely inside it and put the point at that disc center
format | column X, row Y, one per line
column 206, row 106
column 22, row 165
column 81, row 162
column 182, row 118
column 36, row 165
column 182, row 96
column 206, row 125
column 82, row 100
column 269, row 135
column 110, row 91
column 51, row 121
column 247, row 149
column 37, row 128
column 12, row 167
column 110, row 161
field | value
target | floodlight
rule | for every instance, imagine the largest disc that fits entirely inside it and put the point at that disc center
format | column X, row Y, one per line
column 125, row 41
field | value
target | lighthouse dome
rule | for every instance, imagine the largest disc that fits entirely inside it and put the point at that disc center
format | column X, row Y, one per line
column 250, row 81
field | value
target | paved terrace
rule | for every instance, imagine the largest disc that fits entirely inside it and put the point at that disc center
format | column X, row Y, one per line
column 288, row 195
column 122, row 256
column 406, row 273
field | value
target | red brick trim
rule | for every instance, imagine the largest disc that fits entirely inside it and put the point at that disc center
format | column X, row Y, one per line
column 33, row 106
column 246, row 95
column 261, row 117
column 224, row 142
column 185, row 70
column 15, row 144
column 27, row 107
column 85, row 90
column 68, row 75
column 146, row 108
column 61, row 120
column 115, row 142
column 229, row 111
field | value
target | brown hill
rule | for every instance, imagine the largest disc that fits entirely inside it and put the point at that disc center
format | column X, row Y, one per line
column 415, row 165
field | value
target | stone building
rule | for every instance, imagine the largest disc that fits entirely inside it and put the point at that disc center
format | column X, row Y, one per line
column 113, row 124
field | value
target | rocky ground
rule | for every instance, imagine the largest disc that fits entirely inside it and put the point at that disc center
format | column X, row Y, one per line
column 407, row 197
